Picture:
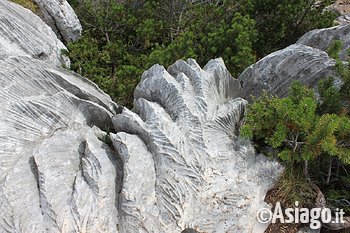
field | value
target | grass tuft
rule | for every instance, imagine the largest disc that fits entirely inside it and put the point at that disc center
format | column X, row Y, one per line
column 29, row 4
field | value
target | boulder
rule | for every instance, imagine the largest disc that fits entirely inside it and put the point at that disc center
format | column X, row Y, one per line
column 60, row 16
column 22, row 33
column 275, row 72
column 323, row 38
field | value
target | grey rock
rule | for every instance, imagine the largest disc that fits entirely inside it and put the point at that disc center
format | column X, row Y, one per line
column 275, row 72
column 56, row 175
column 343, row 19
column 60, row 16
column 175, row 163
column 322, row 38
column 22, row 33
column 184, row 165
column 308, row 230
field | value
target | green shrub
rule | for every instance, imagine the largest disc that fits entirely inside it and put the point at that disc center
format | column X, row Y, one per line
column 123, row 38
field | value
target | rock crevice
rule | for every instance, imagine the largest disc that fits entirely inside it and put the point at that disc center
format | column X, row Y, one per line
column 60, row 16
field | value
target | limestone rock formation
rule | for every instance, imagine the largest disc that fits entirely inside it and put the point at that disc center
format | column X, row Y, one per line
column 56, row 175
column 60, row 16
column 174, row 163
column 343, row 19
column 195, row 172
column 322, row 38
column 305, row 61
column 275, row 72
column 22, row 33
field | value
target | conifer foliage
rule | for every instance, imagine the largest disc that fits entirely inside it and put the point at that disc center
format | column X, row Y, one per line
column 308, row 134
column 123, row 38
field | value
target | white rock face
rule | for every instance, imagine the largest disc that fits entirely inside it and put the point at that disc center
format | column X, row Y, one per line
column 60, row 16
column 184, row 166
column 56, row 175
column 22, row 33
column 174, row 163
column 323, row 38
column 275, row 72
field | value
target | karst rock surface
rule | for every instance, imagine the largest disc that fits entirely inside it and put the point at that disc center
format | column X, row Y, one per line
column 22, row 33
column 275, row 72
column 60, row 16
column 195, row 172
column 323, row 38
column 175, row 162
column 56, row 175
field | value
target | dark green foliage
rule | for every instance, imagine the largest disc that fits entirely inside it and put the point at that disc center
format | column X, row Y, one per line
column 282, row 22
column 306, row 140
column 332, row 173
column 334, row 49
column 283, row 123
column 330, row 99
column 111, row 51
column 292, row 127
column 318, row 137
column 230, row 40
column 340, row 198
column 343, row 71
column 123, row 38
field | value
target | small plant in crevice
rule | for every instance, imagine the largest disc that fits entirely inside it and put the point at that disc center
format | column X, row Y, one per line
column 106, row 137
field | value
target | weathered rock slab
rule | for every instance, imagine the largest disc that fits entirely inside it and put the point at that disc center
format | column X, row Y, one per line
column 275, row 72
column 174, row 163
column 56, row 175
column 196, row 173
column 60, row 16
column 323, row 38
column 22, row 33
